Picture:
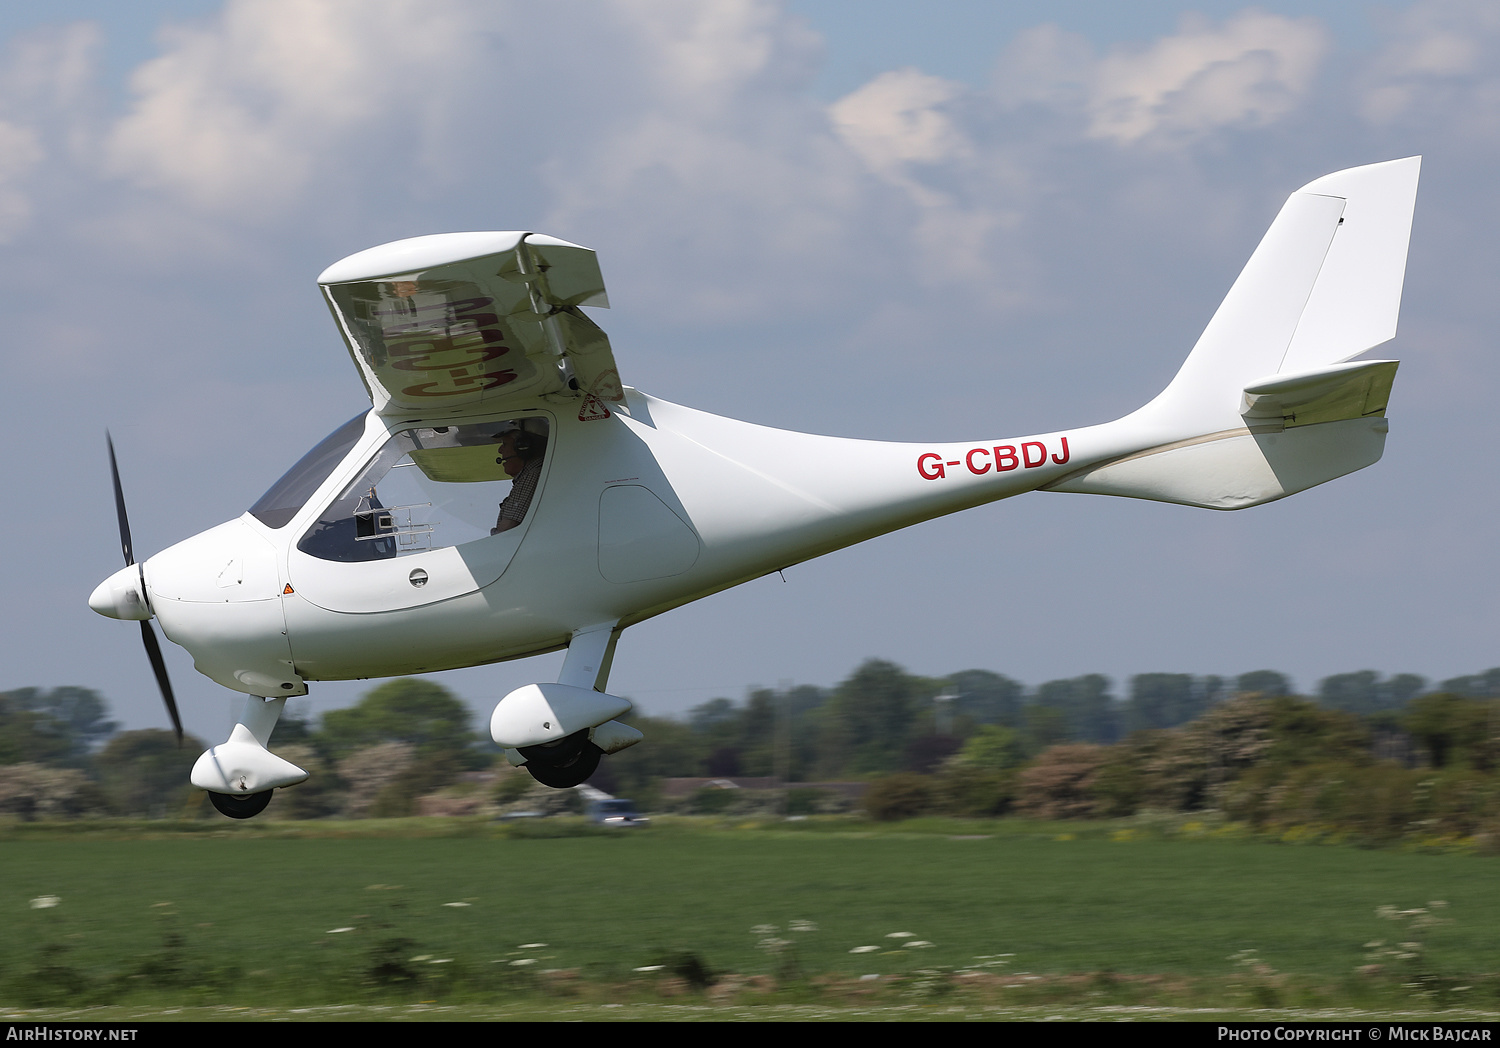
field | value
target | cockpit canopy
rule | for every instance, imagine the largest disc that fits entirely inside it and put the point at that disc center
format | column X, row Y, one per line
column 425, row 488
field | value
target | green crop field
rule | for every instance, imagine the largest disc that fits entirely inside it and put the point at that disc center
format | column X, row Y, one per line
column 316, row 914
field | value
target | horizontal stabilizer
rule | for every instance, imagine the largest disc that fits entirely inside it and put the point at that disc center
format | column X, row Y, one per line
column 1356, row 390
column 1300, row 431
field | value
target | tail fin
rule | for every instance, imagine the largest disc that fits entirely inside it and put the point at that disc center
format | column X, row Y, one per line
column 1264, row 405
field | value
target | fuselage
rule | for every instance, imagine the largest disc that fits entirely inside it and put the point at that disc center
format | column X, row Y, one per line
column 642, row 510
column 508, row 496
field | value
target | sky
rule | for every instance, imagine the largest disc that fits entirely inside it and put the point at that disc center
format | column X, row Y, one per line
column 940, row 222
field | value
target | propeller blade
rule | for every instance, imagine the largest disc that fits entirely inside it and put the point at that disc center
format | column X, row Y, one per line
column 153, row 652
column 148, row 635
column 114, row 471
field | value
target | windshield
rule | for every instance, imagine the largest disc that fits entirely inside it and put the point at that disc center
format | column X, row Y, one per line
column 280, row 504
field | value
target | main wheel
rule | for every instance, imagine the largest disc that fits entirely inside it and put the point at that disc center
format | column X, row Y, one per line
column 564, row 763
column 240, row 806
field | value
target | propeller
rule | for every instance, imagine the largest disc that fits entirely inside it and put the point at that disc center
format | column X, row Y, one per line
column 148, row 635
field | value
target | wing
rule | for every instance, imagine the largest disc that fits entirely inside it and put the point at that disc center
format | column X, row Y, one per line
column 464, row 322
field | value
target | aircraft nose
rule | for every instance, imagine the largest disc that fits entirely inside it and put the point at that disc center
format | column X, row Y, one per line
column 121, row 595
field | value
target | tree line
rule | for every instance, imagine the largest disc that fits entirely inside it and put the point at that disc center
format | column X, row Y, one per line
column 971, row 737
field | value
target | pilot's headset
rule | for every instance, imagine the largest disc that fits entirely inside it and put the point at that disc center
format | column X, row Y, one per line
column 528, row 445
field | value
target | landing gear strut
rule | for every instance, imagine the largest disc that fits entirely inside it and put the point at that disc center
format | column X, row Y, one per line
column 242, row 806
column 565, row 763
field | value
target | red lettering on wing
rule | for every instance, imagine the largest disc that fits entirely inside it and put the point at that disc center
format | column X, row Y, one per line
column 1005, row 458
column 1065, row 453
column 412, row 343
column 969, row 461
column 462, row 386
column 930, row 466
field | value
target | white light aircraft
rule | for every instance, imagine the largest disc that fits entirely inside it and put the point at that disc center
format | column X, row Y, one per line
column 507, row 495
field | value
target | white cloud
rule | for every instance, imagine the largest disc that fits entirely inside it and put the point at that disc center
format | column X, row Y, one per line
column 1251, row 70
column 243, row 109
column 702, row 140
column 1442, row 65
column 702, row 55
column 981, row 167
column 683, row 124
column 675, row 121
column 897, row 119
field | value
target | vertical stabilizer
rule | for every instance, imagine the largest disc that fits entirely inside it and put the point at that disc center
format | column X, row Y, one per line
column 1323, row 286
column 1265, row 404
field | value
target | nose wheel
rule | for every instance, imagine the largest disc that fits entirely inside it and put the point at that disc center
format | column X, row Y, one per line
column 565, row 763
column 244, row 806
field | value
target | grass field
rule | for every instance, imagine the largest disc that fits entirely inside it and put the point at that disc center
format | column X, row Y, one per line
column 322, row 914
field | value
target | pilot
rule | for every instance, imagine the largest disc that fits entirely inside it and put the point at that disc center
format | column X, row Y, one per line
column 521, row 458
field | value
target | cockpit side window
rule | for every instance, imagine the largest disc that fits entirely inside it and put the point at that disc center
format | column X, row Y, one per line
column 280, row 504
column 431, row 488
